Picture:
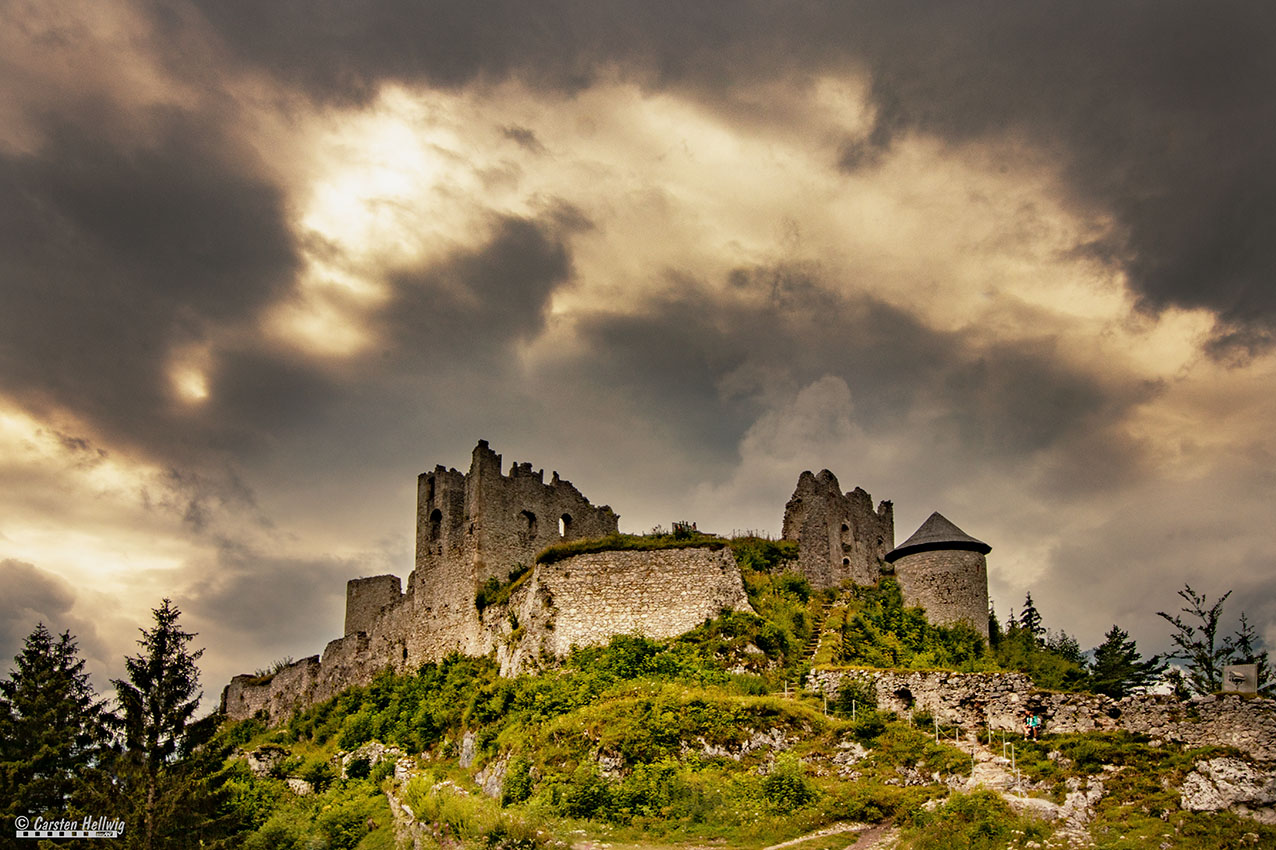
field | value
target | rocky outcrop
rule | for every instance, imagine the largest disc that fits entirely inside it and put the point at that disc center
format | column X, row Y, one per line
column 1229, row 783
column 999, row 700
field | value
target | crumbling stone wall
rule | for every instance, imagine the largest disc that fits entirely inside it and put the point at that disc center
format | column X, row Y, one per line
column 580, row 601
column 366, row 598
column 950, row 585
column 480, row 525
column 588, row 599
column 977, row 700
column 840, row 536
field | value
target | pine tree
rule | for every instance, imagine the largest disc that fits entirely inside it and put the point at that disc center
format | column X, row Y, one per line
column 1247, row 649
column 52, row 726
column 1199, row 645
column 1119, row 670
column 158, row 703
column 1030, row 620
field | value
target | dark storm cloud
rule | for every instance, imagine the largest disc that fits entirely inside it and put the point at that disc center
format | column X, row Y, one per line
column 1160, row 115
column 480, row 300
column 115, row 248
column 1002, row 403
column 29, row 595
column 237, row 600
column 1163, row 115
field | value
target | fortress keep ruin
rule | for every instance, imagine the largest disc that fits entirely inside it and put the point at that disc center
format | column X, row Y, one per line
column 484, row 528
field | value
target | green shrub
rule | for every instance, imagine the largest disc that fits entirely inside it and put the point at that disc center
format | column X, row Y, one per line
column 586, row 795
column 787, row 787
column 628, row 542
column 978, row 821
column 318, row 772
column 518, row 781
column 763, row 555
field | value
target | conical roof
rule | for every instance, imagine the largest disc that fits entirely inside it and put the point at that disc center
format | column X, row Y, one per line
column 937, row 533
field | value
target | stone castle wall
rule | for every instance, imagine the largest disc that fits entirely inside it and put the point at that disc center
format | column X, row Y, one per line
column 840, row 535
column 366, row 598
column 579, row 601
column 479, row 525
column 951, row 585
column 999, row 700
column 658, row 594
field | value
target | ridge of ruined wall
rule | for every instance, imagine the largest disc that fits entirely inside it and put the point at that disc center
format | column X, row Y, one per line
column 840, row 536
column 479, row 525
column 999, row 700
column 584, row 600
column 588, row 599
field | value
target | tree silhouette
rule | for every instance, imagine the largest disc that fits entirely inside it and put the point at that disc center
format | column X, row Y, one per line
column 1119, row 669
column 52, row 726
column 1198, row 641
column 158, row 702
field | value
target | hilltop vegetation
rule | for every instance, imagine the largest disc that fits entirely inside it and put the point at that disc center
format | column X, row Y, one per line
column 638, row 742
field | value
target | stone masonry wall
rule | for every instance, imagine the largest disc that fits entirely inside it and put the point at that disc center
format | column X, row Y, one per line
column 480, row 525
column 951, row 585
column 975, row 700
column 840, row 536
column 366, row 598
column 658, row 594
column 579, row 601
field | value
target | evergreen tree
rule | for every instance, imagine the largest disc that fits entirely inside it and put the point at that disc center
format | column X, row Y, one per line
column 1199, row 645
column 1030, row 620
column 158, row 703
column 994, row 627
column 1066, row 647
column 1248, row 649
column 1119, row 670
column 52, row 727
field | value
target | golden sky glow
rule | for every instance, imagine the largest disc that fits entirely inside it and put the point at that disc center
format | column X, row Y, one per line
column 254, row 282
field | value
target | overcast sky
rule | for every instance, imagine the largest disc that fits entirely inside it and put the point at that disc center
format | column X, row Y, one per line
column 263, row 263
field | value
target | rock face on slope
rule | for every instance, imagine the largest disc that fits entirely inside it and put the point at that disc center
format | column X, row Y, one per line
column 1229, row 783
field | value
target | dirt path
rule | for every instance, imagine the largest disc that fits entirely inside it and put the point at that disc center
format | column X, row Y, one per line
column 867, row 837
column 819, row 833
column 873, row 837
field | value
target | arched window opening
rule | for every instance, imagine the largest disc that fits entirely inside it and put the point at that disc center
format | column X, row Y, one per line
column 845, row 528
column 846, row 562
column 436, row 524
column 564, row 525
column 529, row 523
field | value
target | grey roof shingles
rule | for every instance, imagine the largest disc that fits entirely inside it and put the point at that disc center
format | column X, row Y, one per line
column 937, row 533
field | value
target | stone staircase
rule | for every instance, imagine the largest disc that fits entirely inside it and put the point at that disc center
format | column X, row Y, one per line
column 810, row 648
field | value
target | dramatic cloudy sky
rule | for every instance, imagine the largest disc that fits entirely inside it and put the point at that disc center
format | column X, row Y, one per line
column 262, row 263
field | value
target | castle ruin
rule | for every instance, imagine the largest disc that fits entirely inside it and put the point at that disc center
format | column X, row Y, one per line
column 482, row 528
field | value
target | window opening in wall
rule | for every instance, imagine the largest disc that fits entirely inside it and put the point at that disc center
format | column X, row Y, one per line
column 846, row 562
column 436, row 523
column 529, row 523
column 564, row 525
column 845, row 528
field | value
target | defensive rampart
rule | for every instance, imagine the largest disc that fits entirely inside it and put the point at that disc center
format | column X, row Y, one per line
column 999, row 700
column 580, row 601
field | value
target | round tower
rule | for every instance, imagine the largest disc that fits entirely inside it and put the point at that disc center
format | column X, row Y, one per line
column 942, row 569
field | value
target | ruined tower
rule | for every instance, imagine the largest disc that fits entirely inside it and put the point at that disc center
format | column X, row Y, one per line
column 481, row 524
column 942, row 569
column 840, row 536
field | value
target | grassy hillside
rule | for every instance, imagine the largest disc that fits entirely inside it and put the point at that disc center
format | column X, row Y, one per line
column 681, row 742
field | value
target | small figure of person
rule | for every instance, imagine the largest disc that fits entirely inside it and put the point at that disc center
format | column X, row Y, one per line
column 1027, row 725
column 1036, row 725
